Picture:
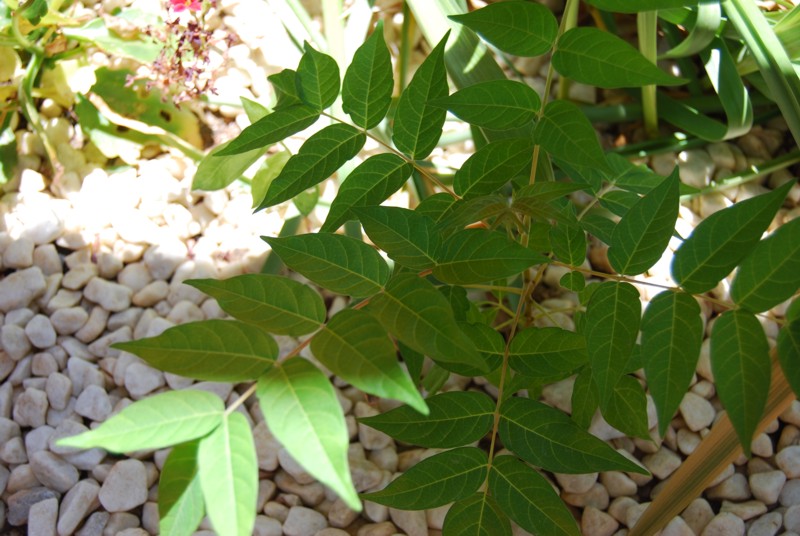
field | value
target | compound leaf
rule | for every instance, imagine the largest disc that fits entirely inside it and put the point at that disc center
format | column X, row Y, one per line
column 317, row 79
column 477, row 515
column 180, row 498
column 492, row 166
column 565, row 133
column 407, row 236
column 272, row 128
column 789, row 353
column 496, row 104
column 547, row 352
column 368, row 83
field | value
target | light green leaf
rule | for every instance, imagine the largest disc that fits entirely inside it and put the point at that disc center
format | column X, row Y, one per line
column 302, row 412
column 626, row 6
column 215, row 350
column 317, row 78
column 741, row 365
column 436, row 481
column 418, row 124
column 626, row 409
column 180, row 499
column 355, row 347
column 228, row 470
column 284, row 83
column 672, row 331
column 371, row 183
column 643, row 233
column 789, row 353
column 770, row 274
column 271, row 168
column 565, row 133
column 519, row 28
column 547, row 352
column 318, row 158
column 477, row 515
column 339, row 263
column 216, row 172
column 456, row 418
column 723, row 239
column 271, row 129
column 529, row 499
column 496, row 104
column 96, row 32
column 368, row 82
column 160, row 421
column 492, row 166
column 407, row 236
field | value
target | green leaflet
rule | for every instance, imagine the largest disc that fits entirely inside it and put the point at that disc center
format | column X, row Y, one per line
column 565, row 133
column 317, row 79
column 160, row 421
column 519, row 28
column 271, row 168
column 418, row 315
column 216, row 172
column 723, row 239
column 456, row 418
column 477, row 515
column 789, row 353
column 339, row 263
column 619, row 202
column 371, row 183
column 436, row 205
column 611, row 325
column 273, row 128
column 407, row 236
column 568, row 239
column 585, row 400
column 228, row 470
column 547, row 438
column 770, row 274
column 643, row 233
column 489, row 342
column 672, row 331
column 625, row 6
column 418, row 124
column 215, row 350
column 285, row 84
column 463, row 212
column 274, row 303
column 496, row 104
column 319, row 157
column 547, row 352
column 355, row 347
column 302, row 412
column 180, row 499
column 479, row 255
column 741, row 366
column 574, row 281
column 436, row 481
column 626, row 409
column 368, row 83
column 599, row 58
column 492, row 166
column 529, row 499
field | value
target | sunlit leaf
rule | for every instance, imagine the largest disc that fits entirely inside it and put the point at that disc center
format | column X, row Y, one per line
column 284, row 83
column 492, row 166
column 216, row 172
column 271, row 129
column 477, row 515
column 180, row 499
column 496, row 104
column 317, row 78
column 368, row 83
column 407, row 236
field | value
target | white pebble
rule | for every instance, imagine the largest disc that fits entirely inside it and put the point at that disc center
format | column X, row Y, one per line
column 93, row 403
column 303, row 521
column 141, row 379
column 14, row 341
column 125, row 487
column 69, row 320
column 724, row 524
column 595, row 522
column 767, row 486
column 697, row 412
column 20, row 288
column 788, row 461
column 19, row 254
column 40, row 332
column 111, row 296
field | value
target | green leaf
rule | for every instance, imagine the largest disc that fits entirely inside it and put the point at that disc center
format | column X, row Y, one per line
column 160, row 421
column 371, row 183
column 216, row 172
column 368, row 82
column 585, row 400
column 519, row 28
column 565, row 133
column 496, row 104
column 273, row 128
column 626, row 409
column 271, row 168
column 741, row 365
column 317, row 79
column 436, row 205
column 770, row 274
column 285, row 85
column 492, row 166
column 529, row 499
column 479, row 255
column 599, row 58
column 436, row 481
column 180, row 499
column 228, row 470
column 215, row 350
column 489, row 342
column 407, row 236
column 574, row 281
column 33, row 10
column 418, row 124
column 96, row 32
column 416, row 313
column 672, row 331
column 643, row 233
column 547, row 352
column 318, row 158
column 723, row 239
column 456, row 418
column 568, row 239
column 355, row 347
column 547, row 438
column 789, row 353
column 612, row 323
column 302, row 412
column 339, row 263
column 626, row 6
column 477, row 515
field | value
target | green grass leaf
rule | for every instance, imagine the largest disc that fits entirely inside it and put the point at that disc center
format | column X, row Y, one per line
column 275, row 303
column 273, row 128
column 643, row 233
column 228, row 470
column 216, row 172
column 626, row 409
column 368, row 82
column 160, row 421
column 214, row 350
column 547, row 352
column 626, row 6
column 371, row 183
column 180, row 499
column 436, row 481
column 302, row 412
column 477, row 515
column 789, row 353
column 565, row 133
column 519, row 28
column 672, row 331
column 355, row 347
column 337, row 262
column 318, row 158
column 407, row 236
column 529, row 499
column 317, row 79
column 456, row 418
column 492, row 166
column 496, row 104
column 723, row 239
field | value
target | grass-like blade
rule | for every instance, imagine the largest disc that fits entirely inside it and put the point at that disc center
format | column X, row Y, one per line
column 436, row 481
column 368, row 83
column 336, row 262
column 789, row 353
column 273, row 128
column 477, row 515
column 626, row 409
column 625, row 6
column 492, row 166
column 317, row 78
column 496, row 104
column 407, row 236
column 180, row 499
column 741, row 366
column 318, row 158
column 565, row 133
column 547, row 352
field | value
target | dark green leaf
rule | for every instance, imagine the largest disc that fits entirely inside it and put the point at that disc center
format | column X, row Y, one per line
column 33, row 10
column 466, row 211
column 564, row 132
column 436, row 205
column 626, row 409
column 574, row 281
column 492, row 166
column 547, row 352
column 273, row 128
column 477, row 515
column 496, row 104
column 789, row 353
column 407, row 236
column 489, row 342
column 568, row 239
column 368, row 83
column 545, row 192
column 285, row 85
column 180, row 499
column 585, row 399
column 317, row 79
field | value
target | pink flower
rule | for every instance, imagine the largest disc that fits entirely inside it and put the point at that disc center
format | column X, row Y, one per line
column 182, row 5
